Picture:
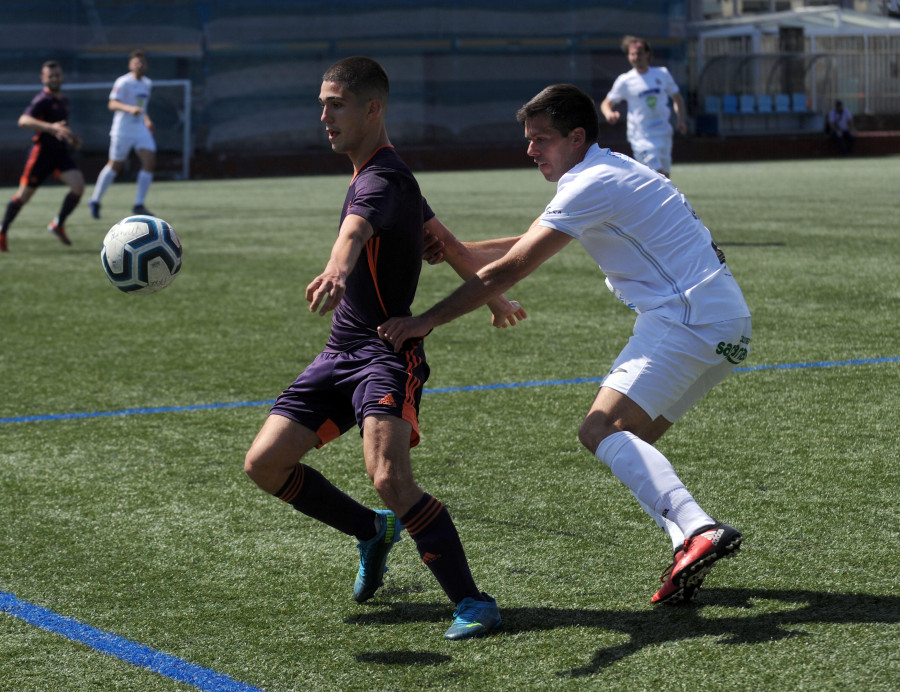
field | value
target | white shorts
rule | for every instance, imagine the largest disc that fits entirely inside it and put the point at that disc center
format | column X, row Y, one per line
column 120, row 145
column 659, row 158
column 666, row 367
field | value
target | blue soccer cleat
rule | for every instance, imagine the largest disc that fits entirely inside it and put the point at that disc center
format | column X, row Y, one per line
column 373, row 555
column 474, row 618
column 95, row 208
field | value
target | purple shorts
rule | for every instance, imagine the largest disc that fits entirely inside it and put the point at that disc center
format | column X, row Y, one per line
column 42, row 161
column 339, row 389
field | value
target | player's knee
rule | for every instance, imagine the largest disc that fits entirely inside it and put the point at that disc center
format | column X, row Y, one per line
column 390, row 485
column 594, row 429
column 254, row 465
column 587, row 436
column 383, row 483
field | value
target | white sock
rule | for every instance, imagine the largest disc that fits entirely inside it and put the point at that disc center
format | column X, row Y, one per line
column 670, row 527
column 143, row 185
column 107, row 175
column 652, row 480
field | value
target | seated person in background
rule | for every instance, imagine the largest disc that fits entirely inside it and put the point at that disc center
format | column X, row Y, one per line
column 840, row 126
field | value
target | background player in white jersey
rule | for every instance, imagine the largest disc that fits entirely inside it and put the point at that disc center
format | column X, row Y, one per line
column 646, row 90
column 131, row 129
column 692, row 328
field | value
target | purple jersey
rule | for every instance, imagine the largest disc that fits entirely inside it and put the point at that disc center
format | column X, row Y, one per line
column 51, row 109
column 383, row 282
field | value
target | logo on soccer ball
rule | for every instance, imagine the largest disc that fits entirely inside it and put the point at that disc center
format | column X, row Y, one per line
column 141, row 254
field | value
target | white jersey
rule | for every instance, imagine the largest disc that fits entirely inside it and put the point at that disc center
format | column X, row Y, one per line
column 133, row 92
column 655, row 252
column 647, row 96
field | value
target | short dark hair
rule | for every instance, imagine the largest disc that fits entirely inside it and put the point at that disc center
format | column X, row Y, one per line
column 51, row 65
column 568, row 108
column 629, row 39
column 137, row 53
column 362, row 76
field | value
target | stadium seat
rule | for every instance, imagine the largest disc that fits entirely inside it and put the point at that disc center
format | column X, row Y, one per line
column 747, row 103
column 764, row 103
column 782, row 103
column 711, row 104
column 729, row 104
column 798, row 103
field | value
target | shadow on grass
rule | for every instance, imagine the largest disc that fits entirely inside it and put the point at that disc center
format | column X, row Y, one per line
column 778, row 618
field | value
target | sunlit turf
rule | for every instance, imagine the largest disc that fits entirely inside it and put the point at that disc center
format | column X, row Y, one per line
column 143, row 525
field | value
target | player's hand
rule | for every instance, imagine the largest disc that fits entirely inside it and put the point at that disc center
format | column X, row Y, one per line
column 505, row 312
column 682, row 128
column 613, row 117
column 61, row 131
column 324, row 294
column 397, row 330
column 433, row 252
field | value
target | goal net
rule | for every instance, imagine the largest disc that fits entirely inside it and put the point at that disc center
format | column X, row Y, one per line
column 170, row 110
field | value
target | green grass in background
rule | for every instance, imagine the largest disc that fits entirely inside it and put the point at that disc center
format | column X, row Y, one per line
column 144, row 525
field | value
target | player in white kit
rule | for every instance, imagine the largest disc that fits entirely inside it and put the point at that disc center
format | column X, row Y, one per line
column 692, row 328
column 647, row 91
column 131, row 129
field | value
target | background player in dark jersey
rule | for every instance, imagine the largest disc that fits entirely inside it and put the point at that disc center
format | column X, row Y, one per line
column 47, row 115
column 358, row 379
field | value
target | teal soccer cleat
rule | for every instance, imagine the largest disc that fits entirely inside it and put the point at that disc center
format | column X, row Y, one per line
column 474, row 618
column 373, row 555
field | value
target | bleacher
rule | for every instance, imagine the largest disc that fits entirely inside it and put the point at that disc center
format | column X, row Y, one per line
column 459, row 70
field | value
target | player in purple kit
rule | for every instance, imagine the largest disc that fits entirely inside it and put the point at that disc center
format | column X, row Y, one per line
column 358, row 379
column 47, row 115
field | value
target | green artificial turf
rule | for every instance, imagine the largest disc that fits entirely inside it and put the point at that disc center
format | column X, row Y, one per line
column 124, row 421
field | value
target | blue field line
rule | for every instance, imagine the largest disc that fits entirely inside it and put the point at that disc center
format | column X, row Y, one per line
column 124, row 649
column 438, row 390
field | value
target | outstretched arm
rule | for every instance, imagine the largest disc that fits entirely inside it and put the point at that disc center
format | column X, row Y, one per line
column 325, row 292
column 529, row 252
column 441, row 244
column 466, row 259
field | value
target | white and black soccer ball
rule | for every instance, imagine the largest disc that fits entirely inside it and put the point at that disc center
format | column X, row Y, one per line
column 141, row 254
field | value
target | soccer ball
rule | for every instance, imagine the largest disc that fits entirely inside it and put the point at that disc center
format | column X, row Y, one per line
column 141, row 254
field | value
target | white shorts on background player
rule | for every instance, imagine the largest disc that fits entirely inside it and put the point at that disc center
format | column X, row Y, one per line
column 693, row 324
column 658, row 157
column 120, row 145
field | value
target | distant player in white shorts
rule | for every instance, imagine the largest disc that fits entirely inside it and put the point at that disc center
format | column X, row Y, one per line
column 131, row 129
column 646, row 90
column 692, row 328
